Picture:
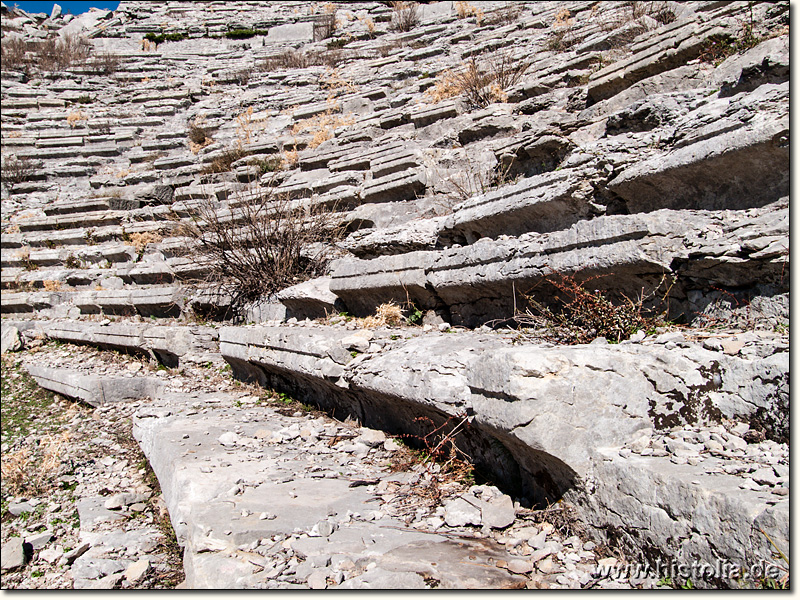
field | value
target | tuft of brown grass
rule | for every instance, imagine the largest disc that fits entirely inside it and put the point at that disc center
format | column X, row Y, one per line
column 481, row 84
column 27, row 470
column 405, row 16
column 51, row 285
column 74, row 117
column 464, row 10
column 386, row 314
column 140, row 240
column 290, row 158
column 322, row 126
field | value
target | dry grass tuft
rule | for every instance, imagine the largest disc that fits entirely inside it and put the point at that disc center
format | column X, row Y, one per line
column 386, row 314
column 405, row 16
column 74, row 117
column 51, row 285
column 322, row 126
column 141, row 240
column 27, row 470
column 464, row 10
column 481, row 84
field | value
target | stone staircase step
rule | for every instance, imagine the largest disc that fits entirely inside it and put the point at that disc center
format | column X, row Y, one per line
column 94, row 390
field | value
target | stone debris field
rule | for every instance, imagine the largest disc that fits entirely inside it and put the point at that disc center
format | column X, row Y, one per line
column 457, row 295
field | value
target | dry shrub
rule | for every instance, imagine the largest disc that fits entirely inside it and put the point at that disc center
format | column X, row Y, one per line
column 334, row 83
column 59, row 54
column 222, row 163
column 561, row 38
column 465, row 10
column 322, row 126
column 267, row 243
column 290, row 158
column 244, row 126
column 505, row 15
column 17, row 170
column 105, row 63
column 52, row 54
column 581, row 315
column 16, row 468
column 51, row 285
column 325, row 23
column 198, row 138
column 14, row 55
column 294, row 59
column 482, row 85
column 386, row 314
column 405, row 16
column 140, row 240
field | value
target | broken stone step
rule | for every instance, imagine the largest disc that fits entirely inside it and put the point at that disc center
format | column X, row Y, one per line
column 665, row 51
column 361, row 160
column 740, row 166
column 314, row 353
column 541, row 203
column 169, row 343
column 216, row 511
column 95, row 390
column 64, row 207
column 475, row 283
column 515, row 394
column 75, row 256
column 403, row 185
column 70, row 220
column 146, row 301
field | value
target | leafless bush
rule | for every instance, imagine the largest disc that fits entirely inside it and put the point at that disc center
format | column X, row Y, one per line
column 197, row 134
column 560, row 40
column 660, row 11
column 14, row 54
column 482, row 85
column 294, row 59
column 105, row 63
column 264, row 245
column 405, row 16
column 56, row 54
column 505, row 15
column 17, row 170
column 52, row 54
column 386, row 49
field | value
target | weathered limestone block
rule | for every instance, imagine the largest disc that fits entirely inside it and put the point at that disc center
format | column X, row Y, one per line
column 731, row 168
column 310, row 299
column 364, row 285
column 672, row 47
column 541, row 203
column 631, row 253
column 92, row 389
column 421, row 234
column 766, row 63
column 403, row 185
